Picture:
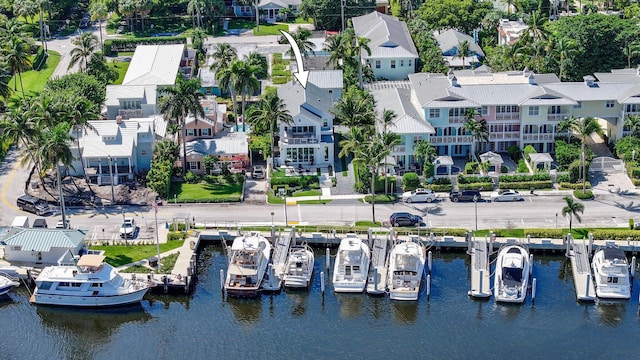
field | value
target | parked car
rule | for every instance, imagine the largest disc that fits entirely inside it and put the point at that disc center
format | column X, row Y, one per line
column 405, row 219
column 419, row 195
column 40, row 223
column 258, row 172
column 60, row 225
column 127, row 229
column 32, row 205
column 506, row 195
column 465, row 195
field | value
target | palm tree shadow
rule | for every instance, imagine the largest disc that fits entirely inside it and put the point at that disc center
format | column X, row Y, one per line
column 433, row 210
column 631, row 206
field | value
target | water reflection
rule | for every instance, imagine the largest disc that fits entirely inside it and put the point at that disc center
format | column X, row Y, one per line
column 350, row 305
column 510, row 311
column 611, row 312
column 298, row 300
column 404, row 312
column 246, row 311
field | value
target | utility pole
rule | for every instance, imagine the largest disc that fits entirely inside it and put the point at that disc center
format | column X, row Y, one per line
column 342, row 13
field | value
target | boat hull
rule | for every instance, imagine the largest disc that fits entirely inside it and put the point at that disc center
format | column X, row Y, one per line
column 296, row 282
column 512, row 262
column 610, row 264
column 407, row 295
column 39, row 298
column 349, row 287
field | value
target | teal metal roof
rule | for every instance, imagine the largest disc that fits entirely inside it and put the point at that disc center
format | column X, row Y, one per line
column 43, row 239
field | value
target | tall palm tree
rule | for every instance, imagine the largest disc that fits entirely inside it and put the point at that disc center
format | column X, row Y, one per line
column 536, row 26
column 260, row 61
column 195, row 8
column 17, row 128
column 372, row 155
column 269, row 112
column 301, row 38
column 5, row 78
column 178, row 102
column 166, row 150
column 55, row 151
column 335, row 46
column 572, row 209
column 564, row 50
column 386, row 121
column 18, row 58
column 245, row 81
column 98, row 10
column 78, row 112
column 463, row 51
column 354, row 108
column 86, row 47
column 424, row 151
column 354, row 139
column 630, row 50
column 143, row 7
column 198, row 35
column 584, row 128
column 477, row 128
column 633, row 123
column 566, row 125
column 223, row 56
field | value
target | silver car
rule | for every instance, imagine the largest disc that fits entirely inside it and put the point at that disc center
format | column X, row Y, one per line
column 506, row 195
column 419, row 195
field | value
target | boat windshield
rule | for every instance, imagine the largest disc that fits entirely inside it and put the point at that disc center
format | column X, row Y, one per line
column 512, row 275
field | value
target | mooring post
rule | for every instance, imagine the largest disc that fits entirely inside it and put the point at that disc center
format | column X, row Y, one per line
column 633, row 266
column 533, row 291
column 480, row 289
column 590, row 246
column 328, row 258
column 588, row 283
column 428, row 286
column 375, row 279
column 271, row 276
column 322, row 282
column 530, row 264
column 222, row 279
column 165, row 285
column 429, row 260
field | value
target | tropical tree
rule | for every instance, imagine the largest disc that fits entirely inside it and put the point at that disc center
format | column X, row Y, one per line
column 631, row 50
column 301, row 38
column 584, row 128
column 223, row 56
column 86, row 47
column 267, row 114
column 425, row 153
column 566, row 125
column 371, row 155
column 463, row 51
column 78, row 112
column 564, row 50
column 354, row 139
column 16, row 127
column 18, row 58
column 195, row 8
column 178, row 102
column 390, row 139
column 166, row 150
column 632, row 122
column 5, row 78
column 99, row 10
column 197, row 39
column 245, row 81
column 477, row 128
column 573, row 209
column 354, row 108
column 260, row 61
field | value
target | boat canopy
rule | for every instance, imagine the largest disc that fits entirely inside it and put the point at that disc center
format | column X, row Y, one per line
column 91, row 260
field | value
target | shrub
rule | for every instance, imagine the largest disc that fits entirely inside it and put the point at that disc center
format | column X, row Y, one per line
column 410, row 181
column 635, row 172
column 545, row 233
column 474, row 179
column 631, row 224
column 441, row 187
column 524, row 178
column 514, row 152
column 615, row 234
column 279, row 80
column 586, row 195
column 526, row 185
column 191, row 178
column 471, row 168
column 568, row 185
column 529, row 150
column 522, row 166
column 177, row 235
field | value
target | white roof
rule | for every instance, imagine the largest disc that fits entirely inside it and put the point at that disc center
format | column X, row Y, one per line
column 115, row 93
column 222, row 143
column 112, row 139
column 389, row 36
column 450, row 39
column 408, row 119
column 154, row 65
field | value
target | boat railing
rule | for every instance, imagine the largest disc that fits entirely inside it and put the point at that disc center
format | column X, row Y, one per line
column 10, row 277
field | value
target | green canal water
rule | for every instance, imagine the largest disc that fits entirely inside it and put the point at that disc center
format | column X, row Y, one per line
column 307, row 325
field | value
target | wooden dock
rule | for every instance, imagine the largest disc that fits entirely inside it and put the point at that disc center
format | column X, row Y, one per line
column 275, row 273
column 163, row 282
column 579, row 256
column 480, row 270
column 377, row 278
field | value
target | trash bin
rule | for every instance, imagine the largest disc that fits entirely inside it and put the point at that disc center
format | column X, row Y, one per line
column 531, row 191
column 153, row 261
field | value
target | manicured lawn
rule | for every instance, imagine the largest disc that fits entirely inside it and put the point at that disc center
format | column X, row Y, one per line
column 122, row 68
column 307, row 193
column 34, row 81
column 166, row 265
column 265, row 29
column 382, row 198
column 206, row 192
column 118, row 255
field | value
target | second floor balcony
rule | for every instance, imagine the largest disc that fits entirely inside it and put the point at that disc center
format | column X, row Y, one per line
column 557, row 117
column 450, row 139
column 506, row 135
column 130, row 113
column 294, row 138
column 538, row 137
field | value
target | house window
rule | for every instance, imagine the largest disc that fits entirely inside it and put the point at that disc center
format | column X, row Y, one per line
column 632, row 108
column 609, row 104
column 409, row 64
column 143, row 152
column 556, row 109
column 534, row 110
column 191, row 132
column 194, row 165
column 393, row 64
column 416, row 139
column 401, row 63
column 578, row 105
column 434, row 113
column 205, row 132
column 325, row 123
column 377, row 64
column 484, row 110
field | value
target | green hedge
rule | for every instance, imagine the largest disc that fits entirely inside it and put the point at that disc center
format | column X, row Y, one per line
column 535, row 233
column 635, row 172
column 486, row 186
column 524, row 178
column 180, row 235
column 568, row 185
column 279, row 80
column 410, row 181
column 474, row 179
column 615, row 234
column 440, row 187
column 587, row 195
column 305, row 181
column 116, row 45
column 275, row 72
column 527, row 185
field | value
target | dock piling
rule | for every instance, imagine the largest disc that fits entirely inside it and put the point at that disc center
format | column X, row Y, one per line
column 633, row 266
column 429, row 260
column 221, row 279
column 590, row 246
column 375, row 279
column 531, row 266
column 165, row 283
column 587, row 288
column 271, row 276
column 328, row 258
column 533, row 291
column 322, row 282
column 428, row 286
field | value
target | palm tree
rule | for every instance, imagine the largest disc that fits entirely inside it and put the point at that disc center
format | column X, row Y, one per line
column 353, row 140
column 584, row 128
column 463, row 51
column 354, row 108
column 223, row 56
column 477, row 128
column 86, row 48
column 55, row 151
column 11, row 28
column 18, row 58
column 536, row 26
column 195, row 9
column 630, row 50
column 17, row 128
column 572, row 209
column 424, row 152
column 335, row 46
column 245, row 81
column 99, row 11
column 79, row 111
column 127, row 8
column 632, row 122
column 166, row 150
column 566, row 125
column 143, row 7
column 5, row 78
column 301, row 37
column 269, row 112
column 178, row 102
column 372, row 155
column 390, row 139
column 564, row 50
column 260, row 61
column 197, row 39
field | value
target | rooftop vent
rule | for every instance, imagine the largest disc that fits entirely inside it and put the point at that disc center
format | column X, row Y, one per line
column 590, row 81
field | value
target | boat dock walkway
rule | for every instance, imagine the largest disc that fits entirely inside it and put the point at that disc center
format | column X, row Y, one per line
column 480, row 270
column 281, row 245
column 579, row 256
column 377, row 281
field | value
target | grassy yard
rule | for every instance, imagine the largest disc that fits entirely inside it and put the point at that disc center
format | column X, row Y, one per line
column 118, row 255
column 34, row 81
column 205, row 192
column 121, row 67
column 381, row 199
column 166, row 265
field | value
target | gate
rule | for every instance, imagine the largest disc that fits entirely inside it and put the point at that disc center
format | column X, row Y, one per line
column 607, row 164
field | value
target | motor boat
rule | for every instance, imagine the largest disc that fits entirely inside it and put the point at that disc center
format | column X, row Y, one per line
column 7, row 283
column 352, row 265
column 87, row 282
column 513, row 269
column 249, row 257
column 406, row 266
column 611, row 273
column 299, row 267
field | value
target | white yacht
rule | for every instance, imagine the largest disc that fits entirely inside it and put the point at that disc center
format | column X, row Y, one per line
column 352, row 265
column 7, row 283
column 89, row 282
column 406, row 265
column 299, row 267
column 248, row 259
column 513, row 268
column 611, row 273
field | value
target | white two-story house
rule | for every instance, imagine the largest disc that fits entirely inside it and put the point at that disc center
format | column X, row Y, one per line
column 309, row 141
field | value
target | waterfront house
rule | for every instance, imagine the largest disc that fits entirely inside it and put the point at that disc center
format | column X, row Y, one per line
column 231, row 149
column 41, row 246
column 393, row 54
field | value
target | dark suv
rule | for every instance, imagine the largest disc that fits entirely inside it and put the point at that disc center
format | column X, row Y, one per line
column 405, row 219
column 465, row 195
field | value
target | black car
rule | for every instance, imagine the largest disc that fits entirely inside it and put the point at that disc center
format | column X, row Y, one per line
column 405, row 219
column 465, row 195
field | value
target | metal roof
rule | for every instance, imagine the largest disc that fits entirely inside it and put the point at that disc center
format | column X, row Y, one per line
column 154, row 65
column 225, row 143
column 389, row 36
column 450, row 39
column 112, row 139
column 43, row 240
column 408, row 119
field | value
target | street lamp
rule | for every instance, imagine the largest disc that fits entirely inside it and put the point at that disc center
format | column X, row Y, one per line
column 113, row 196
column 556, row 220
column 475, row 203
column 272, row 218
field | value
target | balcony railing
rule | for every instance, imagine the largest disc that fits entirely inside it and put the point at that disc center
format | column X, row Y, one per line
column 457, row 119
column 557, row 117
column 504, row 135
column 299, row 138
column 399, row 149
column 450, row 139
column 508, row 116
column 130, row 113
column 538, row 137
